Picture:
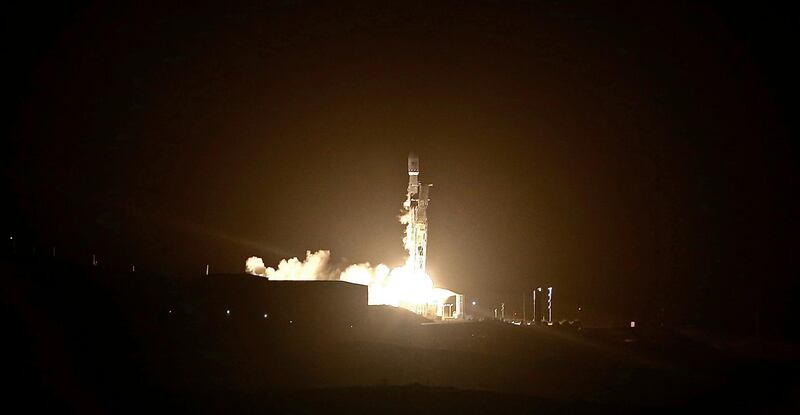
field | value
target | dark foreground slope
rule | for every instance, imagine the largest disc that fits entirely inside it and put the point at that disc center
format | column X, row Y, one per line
column 87, row 339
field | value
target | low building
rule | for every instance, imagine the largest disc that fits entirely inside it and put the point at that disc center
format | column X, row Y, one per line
column 246, row 298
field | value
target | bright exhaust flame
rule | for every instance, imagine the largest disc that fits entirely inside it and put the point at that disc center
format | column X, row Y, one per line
column 407, row 286
column 398, row 287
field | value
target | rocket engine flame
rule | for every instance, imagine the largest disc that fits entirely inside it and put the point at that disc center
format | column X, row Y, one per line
column 398, row 287
column 407, row 286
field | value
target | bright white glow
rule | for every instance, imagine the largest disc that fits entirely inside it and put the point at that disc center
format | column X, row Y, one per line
column 228, row 312
column 265, row 316
column 399, row 287
column 407, row 286
column 474, row 303
column 633, row 324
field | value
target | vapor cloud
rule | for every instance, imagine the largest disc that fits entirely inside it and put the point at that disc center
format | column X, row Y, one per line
column 314, row 267
column 399, row 286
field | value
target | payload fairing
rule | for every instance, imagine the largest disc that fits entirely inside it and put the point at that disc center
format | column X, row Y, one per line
column 417, row 200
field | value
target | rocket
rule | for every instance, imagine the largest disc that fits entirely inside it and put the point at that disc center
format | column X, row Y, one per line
column 417, row 200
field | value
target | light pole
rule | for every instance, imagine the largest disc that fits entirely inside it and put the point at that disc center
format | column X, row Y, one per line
column 524, row 316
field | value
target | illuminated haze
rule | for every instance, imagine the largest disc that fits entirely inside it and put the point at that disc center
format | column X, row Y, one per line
column 398, row 287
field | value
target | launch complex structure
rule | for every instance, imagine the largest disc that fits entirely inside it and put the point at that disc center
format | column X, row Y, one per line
column 408, row 286
column 416, row 242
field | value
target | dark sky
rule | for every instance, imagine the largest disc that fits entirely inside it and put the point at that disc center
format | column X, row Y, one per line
column 636, row 156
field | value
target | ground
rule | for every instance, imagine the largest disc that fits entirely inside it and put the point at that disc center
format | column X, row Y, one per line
column 87, row 339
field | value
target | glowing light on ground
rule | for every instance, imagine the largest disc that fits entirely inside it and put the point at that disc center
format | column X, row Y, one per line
column 407, row 286
column 398, row 287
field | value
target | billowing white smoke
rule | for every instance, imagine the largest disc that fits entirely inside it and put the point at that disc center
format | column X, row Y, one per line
column 255, row 266
column 390, row 286
column 406, row 219
column 399, row 287
column 314, row 267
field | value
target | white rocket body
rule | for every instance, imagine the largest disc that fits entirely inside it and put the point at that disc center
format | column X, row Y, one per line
column 417, row 201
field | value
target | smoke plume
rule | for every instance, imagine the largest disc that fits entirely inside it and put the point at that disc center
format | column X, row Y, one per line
column 399, row 286
column 314, row 267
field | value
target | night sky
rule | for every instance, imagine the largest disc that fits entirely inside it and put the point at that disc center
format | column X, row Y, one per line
column 637, row 157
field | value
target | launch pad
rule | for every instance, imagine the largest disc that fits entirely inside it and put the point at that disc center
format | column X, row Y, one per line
column 408, row 286
column 416, row 243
